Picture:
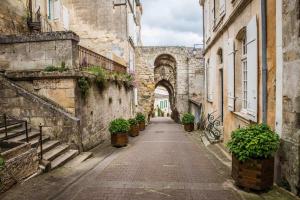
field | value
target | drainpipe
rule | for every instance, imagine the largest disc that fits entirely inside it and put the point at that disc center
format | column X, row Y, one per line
column 264, row 60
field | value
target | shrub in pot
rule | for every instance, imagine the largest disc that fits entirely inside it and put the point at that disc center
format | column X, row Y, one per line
column 188, row 121
column 134, row 128
column 119, row 132
column 253, row 150
column 141, row 120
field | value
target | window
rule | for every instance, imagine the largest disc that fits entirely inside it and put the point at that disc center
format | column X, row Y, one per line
column 54, row 9
column 244, row 72
column 220, row 56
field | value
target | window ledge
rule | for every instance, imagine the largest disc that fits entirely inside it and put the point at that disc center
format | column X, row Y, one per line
column 243, row 117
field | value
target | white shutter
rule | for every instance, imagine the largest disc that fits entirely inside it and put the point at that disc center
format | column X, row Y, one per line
column 222, row 7
column 230, row 73
column 56, row 9
column 252, row 63
column 131, row 62
column 211, row 76
column 135, row 94
column 66, row 18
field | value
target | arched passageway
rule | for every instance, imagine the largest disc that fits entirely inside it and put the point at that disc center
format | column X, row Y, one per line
column 165, row 68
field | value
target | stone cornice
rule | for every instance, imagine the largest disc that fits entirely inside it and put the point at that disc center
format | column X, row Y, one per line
column 39, row 37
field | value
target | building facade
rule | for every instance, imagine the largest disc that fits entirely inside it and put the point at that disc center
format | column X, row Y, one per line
column 162, row 106
column 250, row 62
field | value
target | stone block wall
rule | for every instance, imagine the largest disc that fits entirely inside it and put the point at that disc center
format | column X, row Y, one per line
column 101, row 27
column 99, row 108
column 93, row 112
column 289, row 154
column 37, row 51
column 22, row 104
column 20, row 163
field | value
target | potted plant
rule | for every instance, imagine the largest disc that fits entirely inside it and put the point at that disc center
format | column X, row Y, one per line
column 119, row 132
column 134, row 128
column 188, row 121
column 253, row 149
column 141, row 120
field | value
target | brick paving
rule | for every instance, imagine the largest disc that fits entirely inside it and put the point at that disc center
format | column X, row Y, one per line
column 163, row 163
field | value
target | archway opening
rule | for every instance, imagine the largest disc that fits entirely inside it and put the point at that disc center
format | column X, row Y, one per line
column 165, row 77
column 162, row 105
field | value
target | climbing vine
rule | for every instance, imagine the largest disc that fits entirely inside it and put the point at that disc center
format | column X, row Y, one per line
column 84, row 86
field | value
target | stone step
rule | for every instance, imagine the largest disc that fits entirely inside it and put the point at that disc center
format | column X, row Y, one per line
column 47, row 146
column 55, row 152
column 15, row 132
column 79, row 159
column 12, row 125
column 63, row 158
column 36, row 141
column 22, row 138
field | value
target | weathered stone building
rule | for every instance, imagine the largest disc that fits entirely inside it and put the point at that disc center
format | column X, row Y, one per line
column 288, row 93
column 178, row 69
column 44, row 59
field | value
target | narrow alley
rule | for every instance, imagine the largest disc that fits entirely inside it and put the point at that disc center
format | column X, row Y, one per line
column 164, row 163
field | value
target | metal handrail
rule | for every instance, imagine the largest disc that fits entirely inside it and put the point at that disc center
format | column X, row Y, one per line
column 88, row 58
column 5, row 121
column 41, row 141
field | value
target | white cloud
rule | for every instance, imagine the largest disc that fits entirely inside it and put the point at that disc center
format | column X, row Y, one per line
column 171, row 22
column 154, row 36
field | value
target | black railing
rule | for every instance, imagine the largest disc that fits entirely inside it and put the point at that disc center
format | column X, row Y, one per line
column 9, row 121
column 41, row 141
column 212, row 129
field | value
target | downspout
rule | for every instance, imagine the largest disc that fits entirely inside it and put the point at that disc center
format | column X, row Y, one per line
column 264, row 61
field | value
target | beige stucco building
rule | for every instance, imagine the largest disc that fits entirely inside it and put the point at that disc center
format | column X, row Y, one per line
column 249, row 57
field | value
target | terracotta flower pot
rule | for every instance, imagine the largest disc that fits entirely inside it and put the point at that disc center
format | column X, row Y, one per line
column 119, row 139
column 142, row 126
column 256, row 174
column 189, row 127
column 134, row 130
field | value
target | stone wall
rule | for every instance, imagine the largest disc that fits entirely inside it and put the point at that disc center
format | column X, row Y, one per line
column 20, row 163
column 22, row 104
column 99, row 108
column 95, row 111
column 37, row 51
column 289, row 154
column 189, row 73
column 13, row 17
column 102, row 27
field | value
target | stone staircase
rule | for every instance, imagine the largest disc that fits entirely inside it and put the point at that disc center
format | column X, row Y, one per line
column 54, row 151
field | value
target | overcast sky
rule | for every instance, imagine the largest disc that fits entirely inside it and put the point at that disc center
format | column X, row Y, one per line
column 171, row 22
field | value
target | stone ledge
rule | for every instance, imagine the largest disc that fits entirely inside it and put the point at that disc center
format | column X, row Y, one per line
column 39, row 37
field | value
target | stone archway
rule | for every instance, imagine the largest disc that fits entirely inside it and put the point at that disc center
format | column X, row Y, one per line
column 174, row 68
column 165, row 76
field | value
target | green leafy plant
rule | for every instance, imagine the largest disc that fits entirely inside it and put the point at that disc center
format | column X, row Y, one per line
column 133, row 122
column 188, row 118
column 119, row 126
column 52, row 68
column 140, row 117
column 2, row 162
column 84, row 86
column 254, row 141
column 101, row 76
